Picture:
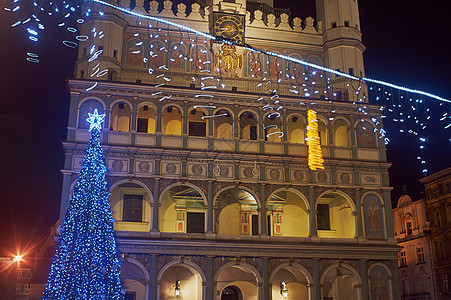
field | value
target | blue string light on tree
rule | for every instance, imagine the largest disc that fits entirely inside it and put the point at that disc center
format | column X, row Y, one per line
column 86, row 264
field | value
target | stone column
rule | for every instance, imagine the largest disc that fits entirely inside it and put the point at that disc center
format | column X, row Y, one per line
column 358, row 205
column 210, row 207
column 158, row 123
column 156, row 205
column 396, row 287
column 388, row 214
column 133, row 121
column 316, row 279
column 263, row 226
column 153, row 273
column 353, row 139
column 185, row 124
column 312, row 213
column 209, row 274
column 330, row 138
column 363, row 270
column 265, row 280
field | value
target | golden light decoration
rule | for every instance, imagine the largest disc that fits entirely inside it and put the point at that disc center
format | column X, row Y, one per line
column 315, row 156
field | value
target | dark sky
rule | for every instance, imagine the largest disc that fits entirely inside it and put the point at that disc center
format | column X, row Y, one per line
column 406, row 44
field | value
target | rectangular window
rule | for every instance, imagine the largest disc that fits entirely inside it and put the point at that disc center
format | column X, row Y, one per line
column 254, row 224
column 351, row 71
column 420, row 254
column 323, row 218
column 197, row 129
column 84, row 51
column 28, row 275
column 195, row 222
column 130, row 295
column 143, row 124
column 402, row 259
column 115, row 53
column 133, row 208
column 26, row 288
column 347, row 23
column 334, row 24
column 82, row 74
column 100, row 48
column 18, row 288
column 19, row 274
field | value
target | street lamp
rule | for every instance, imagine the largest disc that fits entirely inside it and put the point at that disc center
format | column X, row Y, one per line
column 283, row 289
column 177, row 288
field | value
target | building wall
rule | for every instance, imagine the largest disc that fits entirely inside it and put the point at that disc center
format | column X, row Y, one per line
column 238, row 212
column 438, row 194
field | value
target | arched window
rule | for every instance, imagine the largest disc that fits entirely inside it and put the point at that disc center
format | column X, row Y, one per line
column 223, row 125
column 335, row 216
column 366, row 137
column 177, row 57
column 340, row 133
column 134, row 52
column 197, row 124
column 248, row 126
column 296, row 130
column 86, row 107
column 182, row 210
column 146, row 119
column 273, row 128
column 237, row 213
column 156, row 54
column 120, row 117
column 172, row 121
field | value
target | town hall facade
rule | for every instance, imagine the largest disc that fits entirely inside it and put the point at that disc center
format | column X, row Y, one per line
column 205, row 145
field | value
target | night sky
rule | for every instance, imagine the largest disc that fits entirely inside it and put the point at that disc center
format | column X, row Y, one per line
column 406, row 44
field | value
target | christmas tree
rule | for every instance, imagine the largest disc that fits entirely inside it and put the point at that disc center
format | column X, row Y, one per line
column 86, row 264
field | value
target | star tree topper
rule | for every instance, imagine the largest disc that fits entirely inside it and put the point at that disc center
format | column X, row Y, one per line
column 95, row 120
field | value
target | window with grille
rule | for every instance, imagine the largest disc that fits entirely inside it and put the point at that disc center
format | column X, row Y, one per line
column 143, row 124
column 197, row 128
column 133, row 208
column 195, row 222
column 323, row 218
column 420, row 254
column 445, row 283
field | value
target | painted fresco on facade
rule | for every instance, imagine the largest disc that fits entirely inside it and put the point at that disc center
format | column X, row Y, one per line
column 373, row 217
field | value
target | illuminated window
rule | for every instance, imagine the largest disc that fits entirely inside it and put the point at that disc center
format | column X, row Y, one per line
column 223, row 125
column 296, row 130
column 26, row 288
column 248, row 126
column 133, row 208
column 402, row 259
column 172, row 121
column 340, row 133
column 420, row 254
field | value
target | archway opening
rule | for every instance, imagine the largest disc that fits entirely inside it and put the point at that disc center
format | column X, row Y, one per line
column 236, row 213
column 335, row 216
column 235, row 281
column 295, row 281
column 287, row 215
column 182, row 210
column 183, row 277
column 120, row 117
column 130, row 205
column 340, row 283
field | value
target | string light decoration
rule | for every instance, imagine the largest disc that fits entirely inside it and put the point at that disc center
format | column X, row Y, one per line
column 315, row 156
column 308, row 80
column 86, row 264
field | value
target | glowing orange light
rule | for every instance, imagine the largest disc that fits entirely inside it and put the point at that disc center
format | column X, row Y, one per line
column 17, row 258
column 315, row 156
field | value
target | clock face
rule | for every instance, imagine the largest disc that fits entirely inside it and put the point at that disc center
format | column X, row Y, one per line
column 230, row 27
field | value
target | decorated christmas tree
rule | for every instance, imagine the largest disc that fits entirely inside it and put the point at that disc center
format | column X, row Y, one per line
column 86, row 264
